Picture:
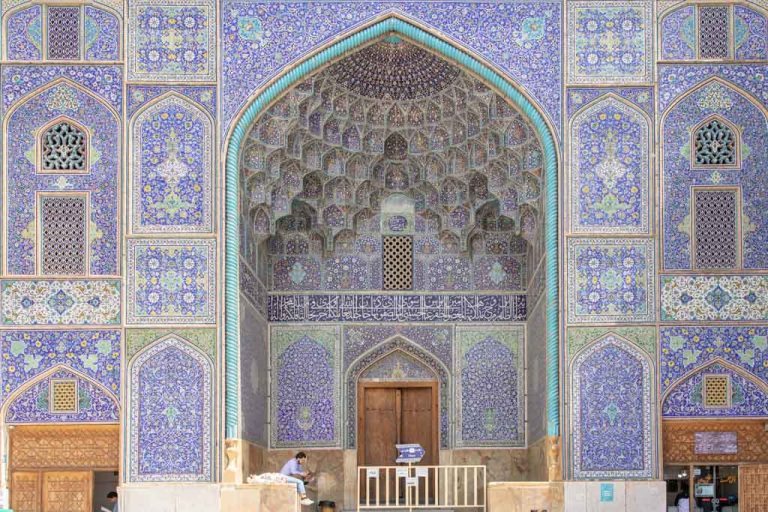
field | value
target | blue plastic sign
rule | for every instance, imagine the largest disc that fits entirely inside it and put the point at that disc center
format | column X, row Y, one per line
column 606, row 492
column 409, row 453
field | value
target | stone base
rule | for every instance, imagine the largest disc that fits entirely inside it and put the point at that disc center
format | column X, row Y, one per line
column 169, row 497
column 525, row 496
column 627, row 496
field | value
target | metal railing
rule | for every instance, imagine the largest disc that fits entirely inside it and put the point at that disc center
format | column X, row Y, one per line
column 421, row 487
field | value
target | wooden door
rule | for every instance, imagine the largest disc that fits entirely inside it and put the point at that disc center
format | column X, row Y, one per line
column 753, row 487
column 391, row 413
column 67, row 491
column 25, row 491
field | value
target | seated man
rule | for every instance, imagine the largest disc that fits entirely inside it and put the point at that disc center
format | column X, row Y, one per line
column 295, row 473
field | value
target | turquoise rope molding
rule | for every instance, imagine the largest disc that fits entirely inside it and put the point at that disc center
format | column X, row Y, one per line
column 393, row 24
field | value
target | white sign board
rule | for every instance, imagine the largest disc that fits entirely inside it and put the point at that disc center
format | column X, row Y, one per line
column 373, row 473
column 411, row 481
column 422, row 472
column 401, row 472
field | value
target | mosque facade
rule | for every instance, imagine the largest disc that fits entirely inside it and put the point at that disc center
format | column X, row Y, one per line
column 527, row 235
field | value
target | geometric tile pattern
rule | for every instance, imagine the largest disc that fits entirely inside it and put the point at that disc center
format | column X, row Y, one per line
column 715, row 228
column 38, row 302
column 490, row 399
column 611, row 280
column 63, row 33
column 93, row 353
column 609, row 41
column 171, row 413
column 305, row 387
column 714, row 298
column 713, row 32
column 172, row 168
column 610, row 163
column 171, row 281
column 613, row 412
column 172, row 40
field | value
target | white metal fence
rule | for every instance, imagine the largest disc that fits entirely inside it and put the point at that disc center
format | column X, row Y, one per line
column 421, row 487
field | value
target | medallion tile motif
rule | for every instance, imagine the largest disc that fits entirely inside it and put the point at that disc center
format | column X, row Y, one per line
column 714, row 298
column 609, row 41
column 172, row 40
column 611, row 280
column 52, row 302
column 171, row 281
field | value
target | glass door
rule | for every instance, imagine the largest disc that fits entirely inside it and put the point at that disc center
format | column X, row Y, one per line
column 715, row 488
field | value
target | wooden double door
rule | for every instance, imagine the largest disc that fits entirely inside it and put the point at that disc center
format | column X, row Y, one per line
column 391, row 413
column 52, row 467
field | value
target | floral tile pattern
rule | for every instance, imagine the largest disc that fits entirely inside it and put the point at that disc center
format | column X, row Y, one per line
column 686, row 400
column 173, row 167
column 490, row 401
column 171, row 408
column 27, row 354
column 612, row 408
column 609, row 41
column 684, row 349
column 678, row 34
column 715, row 98
column 63, row 99
column 139, row 95
column 25, row 34
column 38, row 302
column 305, row 405
column 712, row 298
column 610, row 166
column 750, row 33
column 102, row 35
column 171, row 281
column 611, row 280
column 172, row 40
column 94, row 403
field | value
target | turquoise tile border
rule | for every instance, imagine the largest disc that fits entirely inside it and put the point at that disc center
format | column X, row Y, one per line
column 258, row 104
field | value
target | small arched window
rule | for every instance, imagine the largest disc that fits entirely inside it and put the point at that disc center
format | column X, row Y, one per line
column 715, row 145
column 64, row 148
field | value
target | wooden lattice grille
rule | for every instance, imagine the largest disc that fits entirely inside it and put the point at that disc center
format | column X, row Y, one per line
column 716, row 391
column 753, row 488
column 398, row 263
column 64, row 396
column 680, row 445
column 25, row 491
column 67, row 491
column 64, row 447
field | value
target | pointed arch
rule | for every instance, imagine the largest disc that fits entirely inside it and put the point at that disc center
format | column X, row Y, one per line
column 388, row 23
column 728, row 129
column 44, row 377
column 592, row 458
column 604, row 205
column 711, row 362
column 160, row 209
column 379, row 351
column 187, row 452
column 43, row 133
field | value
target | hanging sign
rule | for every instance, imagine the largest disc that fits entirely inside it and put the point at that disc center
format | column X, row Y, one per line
column 409, row 453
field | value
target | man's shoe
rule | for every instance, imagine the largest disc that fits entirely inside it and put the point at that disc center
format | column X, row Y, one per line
column 307, row 501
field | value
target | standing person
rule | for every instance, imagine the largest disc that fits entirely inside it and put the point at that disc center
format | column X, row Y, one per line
column 112, row 499
column 683, row 501
column 295, row 473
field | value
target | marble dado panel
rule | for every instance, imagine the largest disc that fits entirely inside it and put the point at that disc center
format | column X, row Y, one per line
column 172, row 40
column 171, row 281
column 714, row 298
column 396, row 308
column 610, row 41
column 60, row 302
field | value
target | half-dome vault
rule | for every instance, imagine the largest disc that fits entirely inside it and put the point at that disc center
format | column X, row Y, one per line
column 392, row 140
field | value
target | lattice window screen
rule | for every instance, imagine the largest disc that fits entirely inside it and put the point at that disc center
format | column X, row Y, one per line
column 63, row 148
column 64, row 235
column 63, row 396
column 713, row 32
column 715, row 145
column 398, row 263
column 716, row 391
column 716, row 233
column 64, row 33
